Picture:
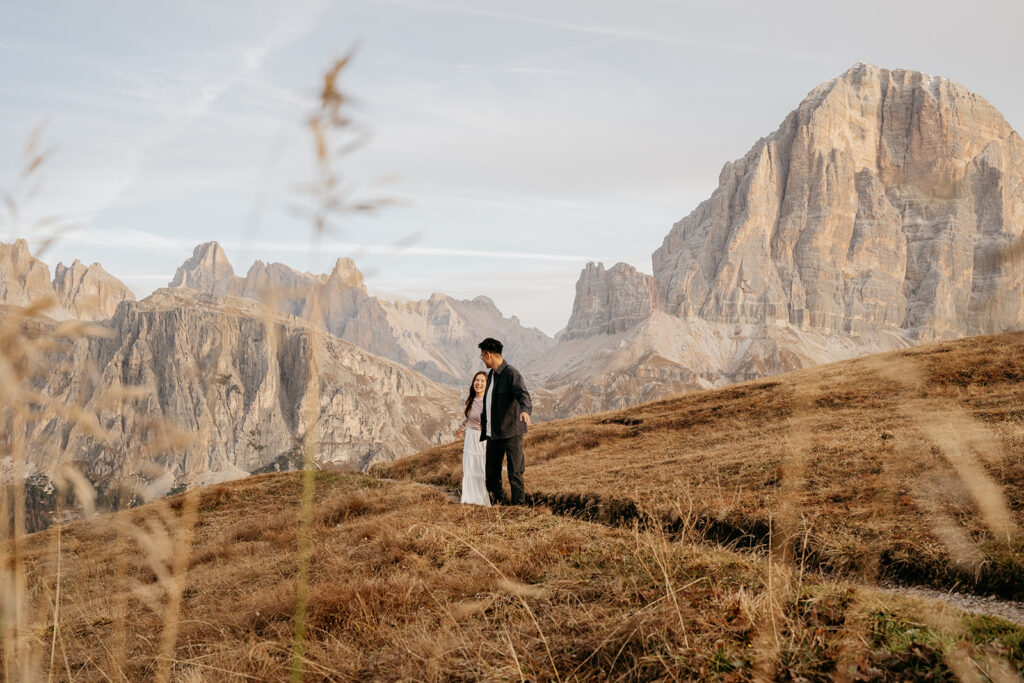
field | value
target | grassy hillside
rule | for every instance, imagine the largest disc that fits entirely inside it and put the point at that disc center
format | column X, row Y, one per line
column 906, row 467
column 402, row 583
column 736, row 534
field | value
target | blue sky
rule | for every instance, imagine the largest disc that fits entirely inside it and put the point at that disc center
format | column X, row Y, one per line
column 522, row 139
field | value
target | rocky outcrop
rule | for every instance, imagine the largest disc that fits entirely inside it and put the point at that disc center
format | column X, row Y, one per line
column 437, row 336
column 876, row 205
column 667, row 355
column 89, row 292
column 24, row 279
column 79, row 292
column 610, row 301
column 440, row 336
column 189, row 388
column 208, row 270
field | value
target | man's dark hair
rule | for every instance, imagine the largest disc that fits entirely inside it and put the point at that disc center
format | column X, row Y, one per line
column 491, row 345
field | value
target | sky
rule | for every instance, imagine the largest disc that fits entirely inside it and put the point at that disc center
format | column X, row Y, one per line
column 512, row 142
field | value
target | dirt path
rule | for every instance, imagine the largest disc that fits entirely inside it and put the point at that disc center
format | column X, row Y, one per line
column 975, row 604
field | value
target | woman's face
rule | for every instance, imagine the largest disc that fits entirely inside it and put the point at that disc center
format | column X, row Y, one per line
column 479, row 383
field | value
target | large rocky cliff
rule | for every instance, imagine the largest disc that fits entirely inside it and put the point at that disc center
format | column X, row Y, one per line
column 875, row 205
column 870, row 220
column 192, row 388
column 610, row 301
column 89, row 292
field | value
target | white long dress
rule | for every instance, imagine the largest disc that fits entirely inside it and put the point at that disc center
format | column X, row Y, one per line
column 474, row 459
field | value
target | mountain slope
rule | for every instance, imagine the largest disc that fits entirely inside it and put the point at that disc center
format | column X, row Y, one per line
column 904, row 466
column 402, row 584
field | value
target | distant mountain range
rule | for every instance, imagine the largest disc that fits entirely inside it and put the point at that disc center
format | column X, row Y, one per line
column 437, row 337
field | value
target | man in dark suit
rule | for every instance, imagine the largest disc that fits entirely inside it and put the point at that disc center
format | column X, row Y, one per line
column 505, row 419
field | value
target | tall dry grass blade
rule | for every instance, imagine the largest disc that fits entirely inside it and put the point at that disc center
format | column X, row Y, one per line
column 522, row 600
column 515, row 657
column 954, row 437
column 176, row 584
column 311, row 413
column 56, row 603
column 662, row 563
column 960, row 439
column 964, row 552
column 786, row 526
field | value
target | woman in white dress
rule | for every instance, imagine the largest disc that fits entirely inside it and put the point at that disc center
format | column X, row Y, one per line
column 474, row 455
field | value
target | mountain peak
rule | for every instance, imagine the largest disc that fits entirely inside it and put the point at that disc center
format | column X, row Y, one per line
column 207, row 270
column 862, row 213
column 89, row 292
column 610, row 301
column 347, row 272
column 23, row 278
column 20, row 248
column 486, row 303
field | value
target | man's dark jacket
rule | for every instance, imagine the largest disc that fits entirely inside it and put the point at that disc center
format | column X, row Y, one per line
column 510, row 399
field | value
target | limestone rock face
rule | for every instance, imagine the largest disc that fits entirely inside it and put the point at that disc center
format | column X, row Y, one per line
column 222, row 387
column 80, row 292
column 437, row 336
column 89, row 292
column 208, row 271
column 610, row 301
column 23, row 278
column 876, row 205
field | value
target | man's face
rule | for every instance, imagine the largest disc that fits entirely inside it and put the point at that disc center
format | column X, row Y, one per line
column 488, row 358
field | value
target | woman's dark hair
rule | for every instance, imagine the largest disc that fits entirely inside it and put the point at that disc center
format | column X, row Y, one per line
column 472, row 392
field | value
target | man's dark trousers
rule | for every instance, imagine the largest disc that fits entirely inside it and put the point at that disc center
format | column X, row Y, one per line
column 497, row 449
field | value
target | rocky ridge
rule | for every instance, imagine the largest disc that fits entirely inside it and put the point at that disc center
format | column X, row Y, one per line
column 77, row 292
column 437, row 337
column 220, row 387
column 610, row 301
column 89, row 292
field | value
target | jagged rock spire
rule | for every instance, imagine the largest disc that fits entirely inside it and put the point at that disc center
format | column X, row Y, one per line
column 208, row 270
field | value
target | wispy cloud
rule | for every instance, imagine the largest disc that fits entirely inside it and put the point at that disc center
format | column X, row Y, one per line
column 529, row 70
column 138, row 240
column 606, row 31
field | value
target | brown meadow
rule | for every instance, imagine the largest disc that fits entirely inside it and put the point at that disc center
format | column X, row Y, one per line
column 405, row 584
column 903, row 467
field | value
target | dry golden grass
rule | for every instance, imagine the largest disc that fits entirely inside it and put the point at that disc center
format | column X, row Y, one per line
column 45, row 390
column 907, row 466
column 405, row 584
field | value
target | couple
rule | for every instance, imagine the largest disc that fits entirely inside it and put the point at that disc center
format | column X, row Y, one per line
column 498, row 415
